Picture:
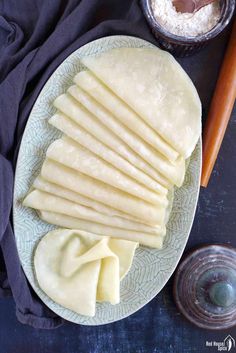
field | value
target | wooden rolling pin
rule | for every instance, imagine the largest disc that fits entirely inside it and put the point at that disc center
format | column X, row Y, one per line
column 220, row 109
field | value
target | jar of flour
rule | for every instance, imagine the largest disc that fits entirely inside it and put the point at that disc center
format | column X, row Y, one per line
column 184, row 27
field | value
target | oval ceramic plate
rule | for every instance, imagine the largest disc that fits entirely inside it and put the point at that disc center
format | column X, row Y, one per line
column 151, row 268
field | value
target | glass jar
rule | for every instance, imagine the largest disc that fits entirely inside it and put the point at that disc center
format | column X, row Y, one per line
column 182, row 45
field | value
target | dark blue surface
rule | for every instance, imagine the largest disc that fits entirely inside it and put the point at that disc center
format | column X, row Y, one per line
column 158, row 327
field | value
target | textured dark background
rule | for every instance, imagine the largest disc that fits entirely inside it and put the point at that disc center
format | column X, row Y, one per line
column 158, row 327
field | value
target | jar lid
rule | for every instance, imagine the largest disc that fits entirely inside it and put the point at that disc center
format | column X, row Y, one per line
column 205, row 287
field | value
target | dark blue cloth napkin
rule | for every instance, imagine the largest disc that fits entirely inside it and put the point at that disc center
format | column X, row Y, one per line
column 35, row 37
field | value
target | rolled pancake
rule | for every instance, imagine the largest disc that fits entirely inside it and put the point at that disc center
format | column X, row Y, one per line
column 66, row 258
column 44, row 201
column 96, row 89
column 52, row 188
column 69, row 106
column 73, row 155
column 104, row 193
column 145, row 239
column 152, row 83
column 174, row 172
column 78, row 134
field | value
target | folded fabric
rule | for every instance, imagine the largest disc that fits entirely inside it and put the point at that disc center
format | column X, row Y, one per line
column 36, row 37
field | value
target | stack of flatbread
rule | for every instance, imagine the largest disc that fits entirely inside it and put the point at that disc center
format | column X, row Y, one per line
column 129, row 123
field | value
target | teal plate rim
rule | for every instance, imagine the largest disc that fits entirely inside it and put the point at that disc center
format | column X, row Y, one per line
column 151, row 268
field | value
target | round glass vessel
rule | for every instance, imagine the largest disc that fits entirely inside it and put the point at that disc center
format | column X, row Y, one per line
column 182, row 45
column 205, row 287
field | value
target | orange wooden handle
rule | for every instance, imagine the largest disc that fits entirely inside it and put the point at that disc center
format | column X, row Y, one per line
column 220, row 110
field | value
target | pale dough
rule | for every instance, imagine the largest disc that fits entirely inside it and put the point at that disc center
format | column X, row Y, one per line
column 77, row 133
column 152, row 83
column 76, row 268
column 70, row 107
column 128, row 125
column 73, row 155
column 58, row 190
column 99, row 191
column 145, row 239
column 96, row 89
column 44, row 201
column 174, row 172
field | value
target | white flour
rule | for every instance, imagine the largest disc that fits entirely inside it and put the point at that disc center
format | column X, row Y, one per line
column 186, row 24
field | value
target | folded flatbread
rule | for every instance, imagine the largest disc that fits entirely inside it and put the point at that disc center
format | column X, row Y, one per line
column 44, row 201
column 156, row 87
column 72, row 108
column 73, row 155
column 76, row 268
column 174, row 172
column 104, row 193
column 103, row 95
column 145, row 239
column 80, row 135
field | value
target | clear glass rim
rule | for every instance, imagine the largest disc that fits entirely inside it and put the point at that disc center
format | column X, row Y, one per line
column 227, row 10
